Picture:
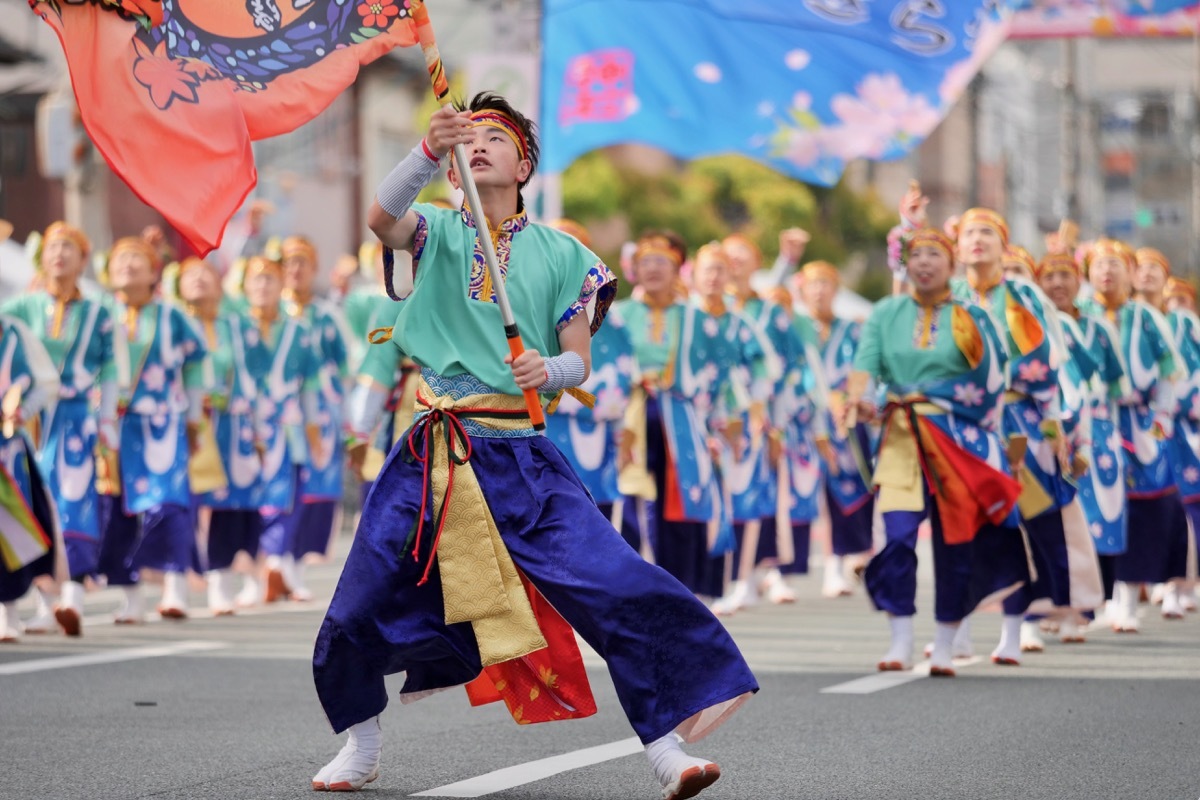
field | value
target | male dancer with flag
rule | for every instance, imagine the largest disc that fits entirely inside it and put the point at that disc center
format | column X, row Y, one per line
column 409, row 597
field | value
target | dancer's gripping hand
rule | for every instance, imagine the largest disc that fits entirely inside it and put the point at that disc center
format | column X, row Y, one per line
column 529, row 369
column 447, row 128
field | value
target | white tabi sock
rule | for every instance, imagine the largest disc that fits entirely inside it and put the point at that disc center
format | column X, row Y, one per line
column 1031, row 638
column 300, row 590
column 835, row 584
column 287, row 567
column 220, row 591
column 251, row 593
column 1008, row 652
column 10, row 622
column 131, row 605
column 72, row 596
column 174, row 596
column 945, row 637
column 43, row 614
column 674, row 768
column 1125, row 602
column 1171, row 607
column 900, row 651
column 358, row 762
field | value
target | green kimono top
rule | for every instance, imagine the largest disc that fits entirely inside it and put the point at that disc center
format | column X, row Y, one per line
column 450, row 324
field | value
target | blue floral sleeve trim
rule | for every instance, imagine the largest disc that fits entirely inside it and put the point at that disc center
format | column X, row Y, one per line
column 389, row 256
column 600, row 284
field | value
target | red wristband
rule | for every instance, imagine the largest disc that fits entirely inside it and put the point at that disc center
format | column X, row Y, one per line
column 429, row 153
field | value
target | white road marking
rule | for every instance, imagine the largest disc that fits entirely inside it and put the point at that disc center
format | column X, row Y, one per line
column 108, row 657
column 521, row 774
column 890, row 680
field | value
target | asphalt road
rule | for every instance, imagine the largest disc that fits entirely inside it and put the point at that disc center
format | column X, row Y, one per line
column 224, row 708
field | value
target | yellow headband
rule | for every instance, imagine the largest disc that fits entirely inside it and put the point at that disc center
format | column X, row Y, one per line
column 821, row 271
column 929, row 237
column 298, row 246
column 573, row 228
column 505, row 123
column 985, row 216
column 1057, row 262
column 713, row 250
column 138, row 246
column 1111, row 247
column 63, row 230
column 739, row 240
column 1148, row 255
column 658, row 246
column 261, row 264
column 1179, row 287
column 1015, row 254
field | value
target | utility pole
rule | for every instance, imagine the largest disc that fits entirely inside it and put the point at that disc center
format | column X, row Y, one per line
column 1069, row 140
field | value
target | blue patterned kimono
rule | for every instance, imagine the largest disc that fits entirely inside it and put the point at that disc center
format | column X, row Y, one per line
column 287, row 369
column 1029, row 325
column 1185, row 443
column 680, row 361
column 1153, row 362
column 87, row 357
column 1102, row 489
column 232, row 400
column 799, row 411
column 28, row 528
column 329, row 340
column 168, row 356
column 588, row 437
column 844, row 480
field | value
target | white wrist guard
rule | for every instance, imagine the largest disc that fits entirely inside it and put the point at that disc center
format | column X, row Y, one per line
column 565, row 371
column 400, row 188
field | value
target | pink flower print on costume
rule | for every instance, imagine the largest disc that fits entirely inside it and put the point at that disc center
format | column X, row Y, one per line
column 968, row 394
column 1033, row 371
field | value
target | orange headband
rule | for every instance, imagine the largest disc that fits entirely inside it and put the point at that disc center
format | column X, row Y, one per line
column 63, row 230
column 573, row 228
column 262, row 264
column 658, row 246
column 1111, row 247
column 191, row 262
column 1057, row 262
column 1179, row 287
column 929, row 237
column 138, row 246
column 505, row 123
column 298, row 246
column 821, row 271
column 985, row 216
column 739, row 240
column 1015, row 254
column 712, row 250
column 1148, row 255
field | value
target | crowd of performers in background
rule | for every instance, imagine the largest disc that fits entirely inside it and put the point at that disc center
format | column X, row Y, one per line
column 1039, row 417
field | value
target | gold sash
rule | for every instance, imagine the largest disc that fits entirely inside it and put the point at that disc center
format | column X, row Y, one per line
column 898, row 468
column 480, row 583
column 634, row 479
column 206, row 472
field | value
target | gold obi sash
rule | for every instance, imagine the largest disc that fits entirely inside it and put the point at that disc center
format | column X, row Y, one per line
column 480, row 582
column 898, row 468
column 635, row 479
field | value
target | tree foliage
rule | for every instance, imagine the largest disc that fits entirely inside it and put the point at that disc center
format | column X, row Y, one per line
column 712, row 197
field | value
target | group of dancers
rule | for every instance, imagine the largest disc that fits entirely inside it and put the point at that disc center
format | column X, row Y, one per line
column 156, row 422
column 1039, row 417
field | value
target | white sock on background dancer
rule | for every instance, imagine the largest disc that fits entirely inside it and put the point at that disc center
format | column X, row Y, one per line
column 357, row 764
column 941, row 656
column 69, row 611
column 899, row 654
column 1008, row 652
column 1070, row 631
column 1171, row 607
column 43, row 614
column 174, row 601
column 131, row 605
column 1031, row 638
column 251, row 593
column 300, row 590
column 220, row 592
column 10, row 622
column 835, row 584
column 741, row 594
column 776, row 587
column 1125, row 603
column 676, row 770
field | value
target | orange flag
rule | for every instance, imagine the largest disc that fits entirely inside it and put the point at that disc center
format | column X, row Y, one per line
column 173, row 96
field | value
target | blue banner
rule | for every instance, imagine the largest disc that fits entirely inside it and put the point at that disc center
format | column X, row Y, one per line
column 801, row 85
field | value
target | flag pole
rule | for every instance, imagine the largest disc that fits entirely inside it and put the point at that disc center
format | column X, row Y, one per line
column 441, row 91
